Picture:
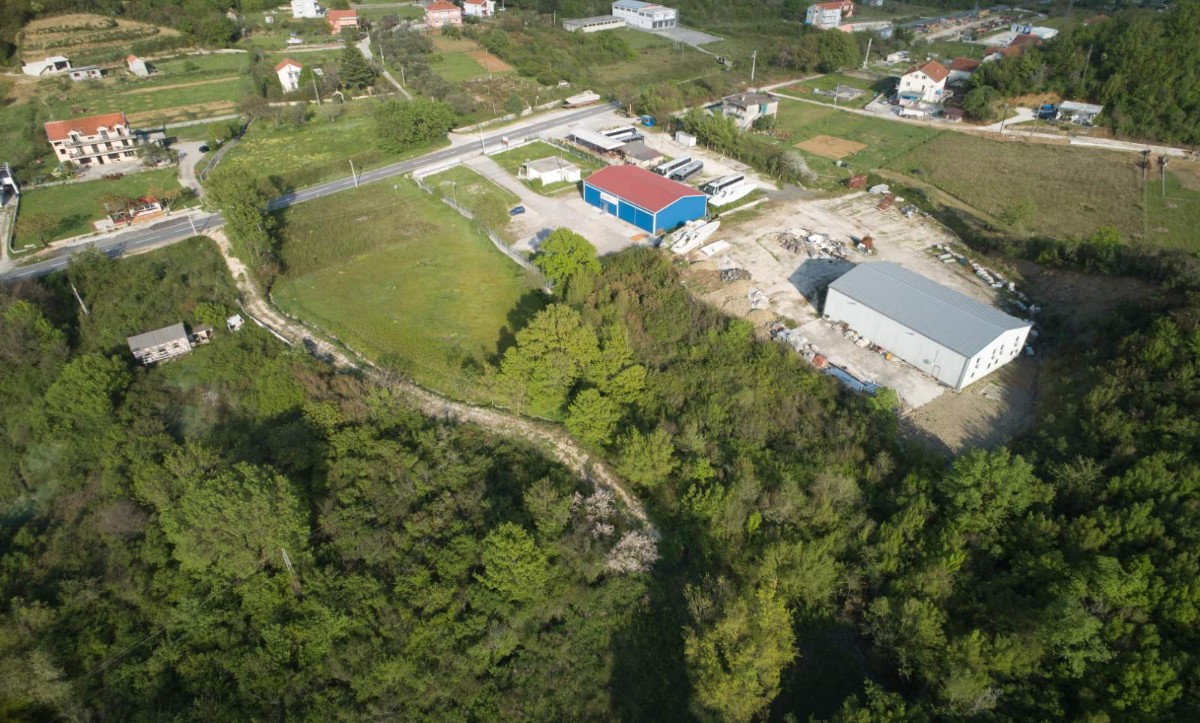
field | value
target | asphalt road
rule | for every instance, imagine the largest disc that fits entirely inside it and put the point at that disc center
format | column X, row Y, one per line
column 176, row 229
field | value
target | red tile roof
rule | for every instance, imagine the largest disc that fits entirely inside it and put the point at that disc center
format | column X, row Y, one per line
column 440, row 6
column 285, row 63
column 60, row 130
column 335, row 15
column 830, row 6
column 935, row 70
column 967, row 64
column 640, row 187
column 131, row 59
column 1026, row 39
column 474, row 2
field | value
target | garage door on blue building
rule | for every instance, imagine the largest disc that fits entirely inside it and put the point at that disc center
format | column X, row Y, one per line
column 644, row 199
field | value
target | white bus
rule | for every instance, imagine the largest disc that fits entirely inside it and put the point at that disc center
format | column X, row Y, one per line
column 720, row 184
column 670, row 166
column 685, row 172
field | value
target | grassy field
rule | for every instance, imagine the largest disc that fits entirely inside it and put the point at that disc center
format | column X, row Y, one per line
column 319, row 151
column 429, row 296
column 487, row 201
column 1074, row 190
column 946, row 49
column 512, row 160
column 1171, row 221
column 835, row 80
column 76, row 205
column 885, row 140
column 404, row 13
column 456, row 67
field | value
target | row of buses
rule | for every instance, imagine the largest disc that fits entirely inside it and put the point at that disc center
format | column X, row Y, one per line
column 721, row 191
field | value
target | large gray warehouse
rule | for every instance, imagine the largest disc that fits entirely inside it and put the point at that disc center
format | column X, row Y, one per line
column 951, row 337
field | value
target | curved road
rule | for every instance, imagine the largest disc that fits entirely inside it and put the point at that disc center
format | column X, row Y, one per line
column 181, row 227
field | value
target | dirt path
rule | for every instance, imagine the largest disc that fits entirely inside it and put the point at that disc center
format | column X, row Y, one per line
column 546, row 436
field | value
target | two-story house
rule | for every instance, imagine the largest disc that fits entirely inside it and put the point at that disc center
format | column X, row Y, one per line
column 288, row 71
column 441, row 13
column 923, row 84
column 339, row 20
column 306, row 9
column 647, row 16
column 745, row 108
column 95, row 140
column 479, row 8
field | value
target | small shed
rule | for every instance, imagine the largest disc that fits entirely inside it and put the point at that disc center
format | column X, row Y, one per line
column 1083, row 114
column 89, row 72
column 549, row 170
column 160, row 344
column 687, row 140
column 137, row 66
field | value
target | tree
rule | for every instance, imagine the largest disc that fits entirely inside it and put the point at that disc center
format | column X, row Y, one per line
column 565, row 253
column 513, row 566
column 233, row 523
column 736, row 655
column 81, row 401
column 837, row 50
column 549, row 358
column 400, row 125
column 242, row 196
column 514, row 104
column 647, row 460
column 40, row 226
column 354, row 70
column 119, row 203
column 979, row 104
column 593, row 418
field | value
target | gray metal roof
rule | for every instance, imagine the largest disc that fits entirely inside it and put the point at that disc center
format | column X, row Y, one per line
column 165, row 335
column 596, row 140
column 1074, row 107
column 640, row 151
column 943, row 315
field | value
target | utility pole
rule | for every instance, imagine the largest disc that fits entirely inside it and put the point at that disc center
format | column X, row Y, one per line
column 867, row 57
column 1145, row 163
column 482, row 146
column 1162, row 170
column 80, row 300
column 352, row 173
column 1004, row 118
column 316, row 91
column 753, row 63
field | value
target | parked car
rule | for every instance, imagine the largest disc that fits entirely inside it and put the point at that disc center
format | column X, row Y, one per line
column 516, row 210
column 204, row 148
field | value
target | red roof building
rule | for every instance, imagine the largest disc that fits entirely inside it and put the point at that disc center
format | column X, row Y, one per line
column 440, row 13
column 965, row 65
column 644, row 198
column 340, row 19
column 94, row 140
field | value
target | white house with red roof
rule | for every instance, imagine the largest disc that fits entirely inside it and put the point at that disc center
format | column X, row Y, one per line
column 288, row 71
column 137, row 66
column 923, row 83
column 644, row 198
column 479, row 8
column 93, row 141
column 961, row 69
column 441, row 13
column 828, row 15
column 339, row 20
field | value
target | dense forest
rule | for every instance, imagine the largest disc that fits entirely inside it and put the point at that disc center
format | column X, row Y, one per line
column 1140, row 65
column 245, row 534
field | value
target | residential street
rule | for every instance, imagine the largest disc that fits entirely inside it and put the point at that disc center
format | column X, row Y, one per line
column 178, row 227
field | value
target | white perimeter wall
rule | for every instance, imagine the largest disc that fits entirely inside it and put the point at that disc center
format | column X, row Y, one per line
column 925, row 354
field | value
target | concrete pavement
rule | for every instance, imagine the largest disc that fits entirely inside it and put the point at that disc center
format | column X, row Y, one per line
column 178, row 227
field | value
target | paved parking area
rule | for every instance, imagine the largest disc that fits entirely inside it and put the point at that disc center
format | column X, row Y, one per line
column 683, row 35
column 543, row 214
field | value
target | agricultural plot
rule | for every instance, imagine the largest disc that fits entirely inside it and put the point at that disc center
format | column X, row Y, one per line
column 830, row 147
column 429, row 296
column 1072, row 190
column 511, row 161
column 85, row 38
column 460, row 59
column 75, row 206
column 884, row 140
column 318, row 151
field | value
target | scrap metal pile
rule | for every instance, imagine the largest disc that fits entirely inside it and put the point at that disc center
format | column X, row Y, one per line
column 814, row 245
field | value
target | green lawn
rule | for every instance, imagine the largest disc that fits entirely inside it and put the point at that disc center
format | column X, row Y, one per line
column 415, row 286
column 77, row 205
column 1075, row 190
column 831, row 81
column 512, row 160
column 488, row 202
column 319, row 151
column 405, row 13
column 947, row 49
column 1171, row 221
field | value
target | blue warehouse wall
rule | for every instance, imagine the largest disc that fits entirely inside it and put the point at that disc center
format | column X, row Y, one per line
column 682, row 211
column 623, row 210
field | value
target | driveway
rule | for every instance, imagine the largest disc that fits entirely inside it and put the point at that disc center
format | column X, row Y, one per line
column 189, row 156
column 543, row 214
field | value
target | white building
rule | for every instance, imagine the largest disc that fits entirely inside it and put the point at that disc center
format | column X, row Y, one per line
column 924, row 83
column 160, row 344
column 306, row 9
column 53, row 65
column 1083, row 114
column 645, row 16
column 288, row 71
column 953, row 338
column 137, row 66
column 593, row 25
column 549, row 170
column 90, row 72
column 824, row 15
column 479, row 8
column 1041, row 32
column 95, row 140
